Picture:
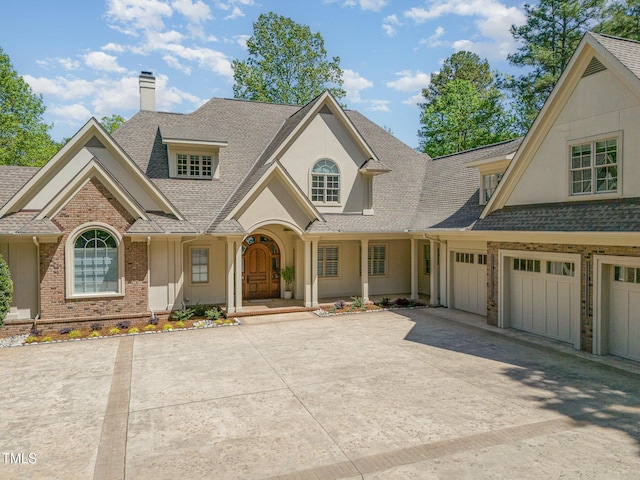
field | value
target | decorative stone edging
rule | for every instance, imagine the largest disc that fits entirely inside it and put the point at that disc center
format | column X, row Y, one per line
column 324, row 313
column 205, row 324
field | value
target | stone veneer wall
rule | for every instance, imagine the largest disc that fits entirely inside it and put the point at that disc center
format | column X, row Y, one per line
column 586, row 254
column 93, row 203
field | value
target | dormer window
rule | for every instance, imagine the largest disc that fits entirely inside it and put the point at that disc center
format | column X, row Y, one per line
column 489, row 184
column 325, row 182
column 194, row 166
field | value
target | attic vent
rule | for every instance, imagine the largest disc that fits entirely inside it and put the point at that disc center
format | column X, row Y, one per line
column 326, row 109
column 594, row 67
column 94, row 142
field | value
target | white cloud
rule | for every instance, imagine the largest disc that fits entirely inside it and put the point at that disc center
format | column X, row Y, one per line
column 434, row 40
column 138, row 14
column 242, row 40
column 72, row 114
column 379, row 106
column 371, row 5
column 235, row 6
column 113, row 47
column 196, row 12
column 493, row 20
column 103, row 62
column 389, row 23
column 408, row 81
column 236, row 12
column 414, row 100
column 353, row 84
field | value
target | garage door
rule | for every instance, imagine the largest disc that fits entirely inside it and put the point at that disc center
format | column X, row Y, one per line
column 542, row 297
column 624, row 314
column 470, row 282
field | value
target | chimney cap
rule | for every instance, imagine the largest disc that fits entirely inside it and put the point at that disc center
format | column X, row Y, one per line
column 146, row 74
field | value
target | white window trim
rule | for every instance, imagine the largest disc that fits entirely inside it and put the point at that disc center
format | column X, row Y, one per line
column 483, row 200
column 426, row 248
column 311, row 174
column 332, row 277
column 69, row 262
column 595, row 195
column 174, row 151
column 190, row 259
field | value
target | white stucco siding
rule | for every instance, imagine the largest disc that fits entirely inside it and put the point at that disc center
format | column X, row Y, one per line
column 22, row 258
column 600, row 106
column 325, row 137
column 275, row 203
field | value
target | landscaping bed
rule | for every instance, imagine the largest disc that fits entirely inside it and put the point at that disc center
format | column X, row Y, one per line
column 358, row 305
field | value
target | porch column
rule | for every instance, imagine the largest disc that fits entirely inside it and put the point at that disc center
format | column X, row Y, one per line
column 414, row 269
column 314, row 272
column 238, row 263
column 308, row 301
column 231, row 308
column 433, row 274
column 364, row 262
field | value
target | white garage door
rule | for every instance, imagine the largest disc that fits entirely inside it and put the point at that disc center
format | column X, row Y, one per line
column 470, row 282
column 542, row 297
column 624, row 314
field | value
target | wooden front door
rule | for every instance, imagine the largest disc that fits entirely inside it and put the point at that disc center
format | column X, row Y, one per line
column 257, row 271
column 261, row 271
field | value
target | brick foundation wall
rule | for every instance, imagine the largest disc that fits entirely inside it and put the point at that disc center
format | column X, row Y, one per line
column 93, row 203
column 586, row 253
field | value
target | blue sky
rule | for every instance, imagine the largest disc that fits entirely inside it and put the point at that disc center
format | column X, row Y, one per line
column 84, row 56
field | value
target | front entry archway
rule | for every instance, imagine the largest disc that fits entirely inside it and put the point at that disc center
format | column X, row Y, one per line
column 261, row 268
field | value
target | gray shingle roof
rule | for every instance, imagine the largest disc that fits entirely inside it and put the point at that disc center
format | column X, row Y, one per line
column 625, row 50
column 580, row 216
column 12, row 179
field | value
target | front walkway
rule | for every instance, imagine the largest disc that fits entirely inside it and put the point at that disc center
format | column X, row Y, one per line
column 386, row 395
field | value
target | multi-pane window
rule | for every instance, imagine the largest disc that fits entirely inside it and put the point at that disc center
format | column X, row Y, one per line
column 376, row 260
column 197, row 166
column 489, row 184
column 627, row 274
column 328, row 261
column 482, row 259
column 427, row 259
column 567, row 269
column 95, row 262
column 462, row 257
column 325, row 182
column 526, row 265
column 199, row 265
column 594, row 167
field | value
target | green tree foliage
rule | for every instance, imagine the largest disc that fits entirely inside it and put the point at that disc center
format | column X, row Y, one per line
column 24, row 137
column 548, row 39
column 112, row 123
column 287, row 64
column 622, row 19
column 6, row 290
column 463, row 108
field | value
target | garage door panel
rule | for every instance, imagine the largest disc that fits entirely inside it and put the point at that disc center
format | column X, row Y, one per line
column 634, row 325
column 541, row 302
column 619, row 324
column 470, row 285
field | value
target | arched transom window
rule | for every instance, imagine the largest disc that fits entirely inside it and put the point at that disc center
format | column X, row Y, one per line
column 95, row 262
column 325, row 182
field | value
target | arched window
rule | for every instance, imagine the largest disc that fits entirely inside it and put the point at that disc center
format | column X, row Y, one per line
column 325, row 182
column 95, row 262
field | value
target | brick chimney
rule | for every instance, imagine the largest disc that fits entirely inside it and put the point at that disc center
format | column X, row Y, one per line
column 147, row 91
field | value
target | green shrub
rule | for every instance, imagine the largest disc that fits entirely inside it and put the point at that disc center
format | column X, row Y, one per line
column 183, row 315
column 149, row 327
column 167, row 327
column 46, row 339
column 179, row 324
column 74, row 334
column 385, row 302
column 31, row 339
column 356, row 302
column 93, row 334
column 133, row 330
column 6, row 290
column 199, row 310
column 212, row 313
column 114, row 331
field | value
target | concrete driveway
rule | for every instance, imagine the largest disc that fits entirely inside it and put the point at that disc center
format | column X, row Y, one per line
column 410, row 395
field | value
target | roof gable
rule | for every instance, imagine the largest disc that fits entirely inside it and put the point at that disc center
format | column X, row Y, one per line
column 618, row 56
column 89, row 142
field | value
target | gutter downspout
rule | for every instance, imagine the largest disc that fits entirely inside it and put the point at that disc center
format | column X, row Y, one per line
column 37, row 244
column 149, row 277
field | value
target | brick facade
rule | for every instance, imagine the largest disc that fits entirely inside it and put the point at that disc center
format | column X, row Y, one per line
column 93, row 203
column 586, row 253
